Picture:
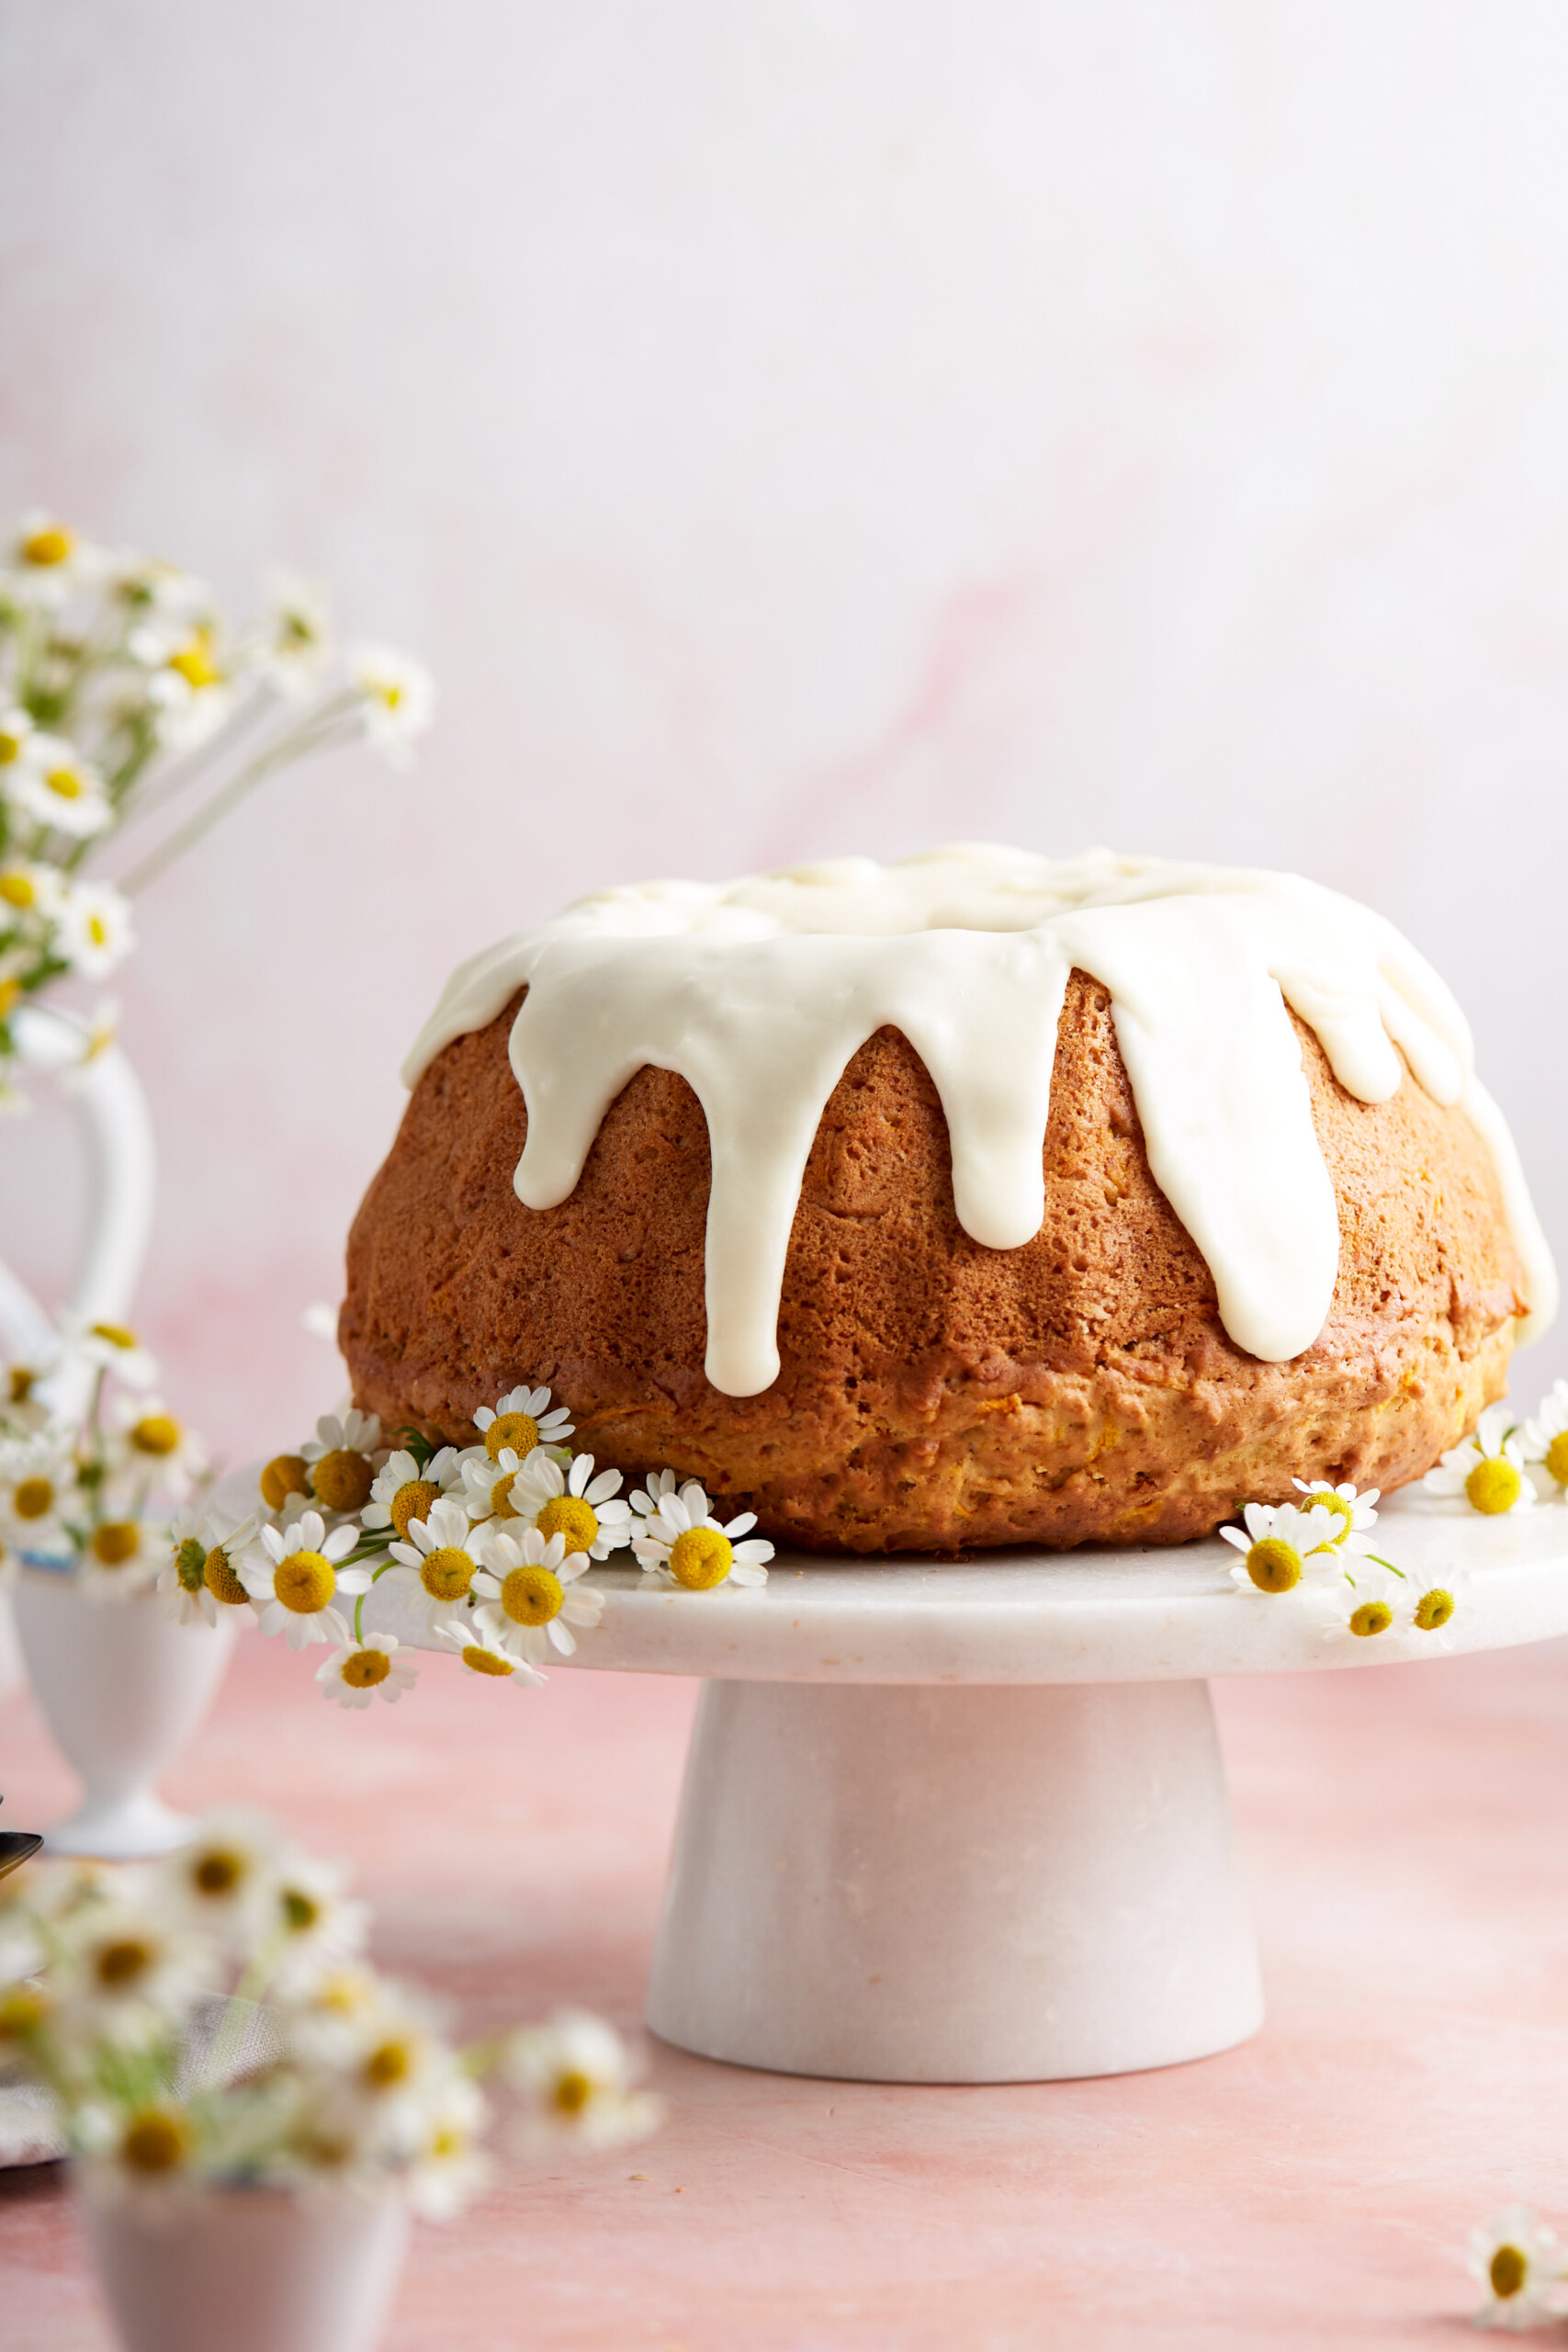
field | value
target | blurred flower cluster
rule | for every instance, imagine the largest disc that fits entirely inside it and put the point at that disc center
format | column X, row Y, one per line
column 211, row 2020
column 129, row 698
column 102, row 1490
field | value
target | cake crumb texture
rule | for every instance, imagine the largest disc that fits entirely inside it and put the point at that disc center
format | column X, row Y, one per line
column 935, row 1395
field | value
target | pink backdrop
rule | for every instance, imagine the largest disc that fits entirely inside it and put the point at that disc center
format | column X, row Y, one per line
column 789, row 430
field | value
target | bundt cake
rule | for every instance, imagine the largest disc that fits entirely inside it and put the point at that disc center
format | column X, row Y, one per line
column 974, row 1200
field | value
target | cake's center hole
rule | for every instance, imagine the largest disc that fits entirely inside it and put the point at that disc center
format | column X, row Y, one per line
column 480, row 1661
column 446, row 1575
column 1508, row 2272
column 1434, row 1608
column 218, row 1574
column 1274, row 1566
column 343, row 1480
column 1372, row 1617
column 532, row 1596
column 305, row 1582
column 1492, row 1485
column 701, row 1557
column 570, row 1516
column 415, row 1498
column 365, row 1668
column 518, row 1431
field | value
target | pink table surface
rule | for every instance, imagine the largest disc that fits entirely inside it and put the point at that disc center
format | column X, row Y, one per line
column 1402, row 1834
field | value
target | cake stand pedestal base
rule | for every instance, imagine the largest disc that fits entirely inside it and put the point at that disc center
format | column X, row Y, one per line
column 955, row 1884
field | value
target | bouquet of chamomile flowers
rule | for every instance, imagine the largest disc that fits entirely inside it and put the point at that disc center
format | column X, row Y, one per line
column 212, row 2020
column 128, row 697
column 485, row 1550
column 98, row 1491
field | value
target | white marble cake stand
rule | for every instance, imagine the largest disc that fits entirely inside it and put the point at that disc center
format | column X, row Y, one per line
column 969, row 1824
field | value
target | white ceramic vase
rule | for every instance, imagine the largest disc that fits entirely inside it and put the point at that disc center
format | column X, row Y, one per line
column 115, row 1134
column 246, row 2269
column 122, row 1688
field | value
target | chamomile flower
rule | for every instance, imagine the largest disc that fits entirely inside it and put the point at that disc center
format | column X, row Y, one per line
column 153, row 1448
column 1487, row 1470
column 1281, row 1546
column 386, row 2051
column 647, row 1500
column 526, row 1593
column 341, row 1459
column 438, row 1563
column 53, row 786
column 189, row 689
column 317, row 1925
column 572, row 1503
column 37, row 1490
column 1544, row 1437
column 92, row 927
column 31, row 892
column 522, row 1420
column 398, row 697
column 124, row 1973
column 296, row 634
column 223, row 1883
column 122, row 1557
column 295, row 1575
column 682, row 1541
column 182, row 1581
column 576, row 2080
column 445, row 2167
column 47, row 559
column 487, row 1484
column 17, row 731
column 484, row 1653
column 108, row 1347
column 356, row 1672
column 1356, row 1508
column 1376, row 1604
column 1431, row 1602
column 1517, row 2263
column 402, row 1491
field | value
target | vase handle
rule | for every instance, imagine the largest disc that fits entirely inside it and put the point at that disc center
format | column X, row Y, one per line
column 116, row 1134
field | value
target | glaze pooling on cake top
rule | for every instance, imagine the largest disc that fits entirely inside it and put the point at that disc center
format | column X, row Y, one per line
column 759, row 993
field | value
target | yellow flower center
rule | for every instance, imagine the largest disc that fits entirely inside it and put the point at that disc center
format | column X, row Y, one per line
column 10, row 747
column 50, row 545
column 1557, row 1457
column 18, row 889
column 285, row 1475
column 1274, row 1566
column 122, row 1962
column 98, row 931
column 300, row 1911
column 21, row 2014
column 10, row 991
column 190, row 1564
column 116, row 1334
column 480, row 1661
column 570, row 1516
column 1335, row 1503
column 365, row 1668
column 21, row 1384
column 1509, row 2270
column 501, row 1502
column 447, row 1574
column 518, row 1431
column 415, row 1498
column 218, row 1574
column 65, row 784
column 116, row 1541
column 1492, row 1485
column 1434, row 1608
column 389, row 2064
column 305, row 1582
column 159, row 1433
column 194, row 662
column 1372, row 1617
column 572, row 2091
column 701, row 1557
column 217, row 1871
column 33, row 1497
column 532, row 1596
column 155, row 2141
column 343, row 1480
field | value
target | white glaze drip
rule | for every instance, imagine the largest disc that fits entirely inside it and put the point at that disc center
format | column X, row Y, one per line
column 759, row 993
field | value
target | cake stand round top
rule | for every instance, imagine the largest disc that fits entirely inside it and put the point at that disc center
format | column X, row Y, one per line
column 1159, row 1613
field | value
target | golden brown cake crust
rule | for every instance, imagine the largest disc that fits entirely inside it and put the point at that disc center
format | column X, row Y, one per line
column 935, row 1394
